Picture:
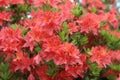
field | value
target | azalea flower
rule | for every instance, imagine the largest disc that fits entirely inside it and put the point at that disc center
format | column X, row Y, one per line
column 41, row 72
column 72, row 27
column 11, row 40
column 4, row 2
column 100, row 56
column 89, row 22
column 5, row 16
column 66, row 10
column 17, row 1
column 37, row 3
column 94, row 3
column 22, row 62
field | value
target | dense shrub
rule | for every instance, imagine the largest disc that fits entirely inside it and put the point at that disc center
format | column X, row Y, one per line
column 59, row 40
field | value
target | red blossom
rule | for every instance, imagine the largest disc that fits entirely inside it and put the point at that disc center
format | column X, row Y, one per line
column 5, row 16
column 110, row 72
column 116, row 34
column 63, row 75
column 72, row 27
column 76, row 71
column 37, row 3
column 66, row 53
column 31, row 77
column 37, row 59
column 70, row 49
column 54, row 3
column 22, row 62
column 41, row 72
column 89, row 22
column 11, row 40
column 100, row 56
column 17, row 1
column 66, row 10
column 4, row 2
column 33, row 36
column 51, row 44
column 29, row 43
column 115, row 55
column 28, row 23
column 49, row 21
column 94, row 3
column 111, row 18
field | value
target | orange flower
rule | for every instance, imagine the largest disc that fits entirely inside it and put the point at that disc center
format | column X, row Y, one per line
column 100, row 56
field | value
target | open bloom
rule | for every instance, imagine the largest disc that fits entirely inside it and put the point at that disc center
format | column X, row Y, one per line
column 11, row 40
column 100, row 56
column 89, row 22
column 94, row 3
column 22, row 62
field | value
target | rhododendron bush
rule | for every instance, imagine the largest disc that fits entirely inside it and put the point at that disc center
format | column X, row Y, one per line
column 59, row 40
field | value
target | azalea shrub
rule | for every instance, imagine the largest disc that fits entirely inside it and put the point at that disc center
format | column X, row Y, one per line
column 59, row 40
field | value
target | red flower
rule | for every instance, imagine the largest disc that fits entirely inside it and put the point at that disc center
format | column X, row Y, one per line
column 63, row 75
column 62, row 54
column 37, row 59
column 29, row 42
column 111, row 18
column 73, row 71
column 100, row 56
column 54, row 3
column 33, row 36
column 72, row 27
column 66, row 10
column 94, row 3
column 51, row 44
column 115, row 33
column 37, row 3
column 115, row 55
column 22, row 62
column 28, row 23
column 48, row 21
column 4, row 2
column 31, row 77
column 5, row 16
column 89, row 22
column 76, row 71
column 11, row 40
column 17, row 1
column 110, row 72
column 70, row 49
column 41, row 72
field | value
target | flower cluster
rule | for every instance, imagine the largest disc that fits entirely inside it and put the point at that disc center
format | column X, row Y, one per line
column 58, row 40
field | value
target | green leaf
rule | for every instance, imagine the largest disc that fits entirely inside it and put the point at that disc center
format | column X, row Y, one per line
column 115, row 67
column 37, row 50
column 46, row 7
column 77, row 10
column 111, row 77
column 111, row 41
column 4, row 71
column 24, row 8
column 94, row 9
column 54, row 9
column 25, row 31
column 52, row 68
column 95, row 70
column 79, row 39
column 14, row 26
column 102, row 24
column 64, row 33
